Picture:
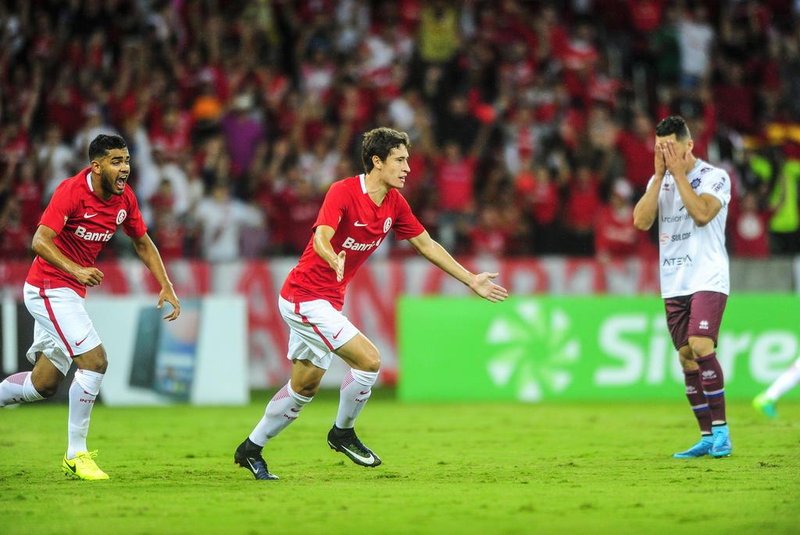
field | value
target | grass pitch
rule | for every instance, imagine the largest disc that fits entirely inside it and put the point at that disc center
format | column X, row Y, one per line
column 468, row 468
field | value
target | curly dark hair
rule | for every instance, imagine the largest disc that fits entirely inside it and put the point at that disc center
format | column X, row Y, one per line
column 103, row 143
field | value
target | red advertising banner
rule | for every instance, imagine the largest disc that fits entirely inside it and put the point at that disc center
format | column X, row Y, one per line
column 371, row 297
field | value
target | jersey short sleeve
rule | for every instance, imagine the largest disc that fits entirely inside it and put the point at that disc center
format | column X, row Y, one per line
column 59, row 208
column 406, row 223
column 718, row 184
column 333, row 206
column 134, row 225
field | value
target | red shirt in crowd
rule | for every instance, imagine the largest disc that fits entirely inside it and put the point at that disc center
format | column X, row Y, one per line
column 614, row 234
column 750, row 234
column 454, row 182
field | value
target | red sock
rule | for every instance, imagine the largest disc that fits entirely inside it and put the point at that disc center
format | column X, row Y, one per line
column 697, row 400
column 713, row 385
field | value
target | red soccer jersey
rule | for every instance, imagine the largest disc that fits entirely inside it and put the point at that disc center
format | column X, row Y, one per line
column 83, row 223
column 360, row 226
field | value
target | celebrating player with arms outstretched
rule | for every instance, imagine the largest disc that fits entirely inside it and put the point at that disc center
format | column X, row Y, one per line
column 690, row 198
column 355, row 218
column 81, row 218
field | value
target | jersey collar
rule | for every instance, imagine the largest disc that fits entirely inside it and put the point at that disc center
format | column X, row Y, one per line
column 362, row 179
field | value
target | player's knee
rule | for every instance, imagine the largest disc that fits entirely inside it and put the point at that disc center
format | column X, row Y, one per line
column 307, row 388
column 371, row 361
column 95, row 360
column 686, row 359
column 701, row 346
column 46, row 386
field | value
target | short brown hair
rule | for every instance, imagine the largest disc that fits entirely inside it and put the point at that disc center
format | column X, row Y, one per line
column 380, row 142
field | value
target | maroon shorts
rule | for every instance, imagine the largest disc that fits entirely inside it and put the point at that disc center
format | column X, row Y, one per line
column 699, row 314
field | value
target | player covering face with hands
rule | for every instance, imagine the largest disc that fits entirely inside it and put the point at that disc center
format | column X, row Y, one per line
column 82, row 216
column 690, row 198
column 357, row 214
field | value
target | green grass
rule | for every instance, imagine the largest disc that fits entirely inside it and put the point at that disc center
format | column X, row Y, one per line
column 466, row 468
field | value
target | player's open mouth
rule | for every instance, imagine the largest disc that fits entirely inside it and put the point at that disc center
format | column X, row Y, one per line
column 120, row 183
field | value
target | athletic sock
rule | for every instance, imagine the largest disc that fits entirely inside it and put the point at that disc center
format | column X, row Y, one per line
column 282, row 409
column 355, row 391
column 697, row 400
column 713, row 386
column 82, row 394
column 18, row 388
column 784, row 383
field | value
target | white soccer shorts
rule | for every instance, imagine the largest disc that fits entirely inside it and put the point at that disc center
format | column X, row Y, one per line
column 316, row 330
column 62, row 328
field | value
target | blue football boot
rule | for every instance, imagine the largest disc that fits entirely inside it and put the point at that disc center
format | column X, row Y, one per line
column 701, row 449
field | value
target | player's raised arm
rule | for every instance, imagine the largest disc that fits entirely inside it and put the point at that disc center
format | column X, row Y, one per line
column 646, row 210
column 481, row 283
column 44, row 247
column 151, row 258
column 323, row 247
column 701, row 208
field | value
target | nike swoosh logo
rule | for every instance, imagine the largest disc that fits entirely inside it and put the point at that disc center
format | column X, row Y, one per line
column 72, row 466
column 252, row 468
column 367, row 460
column 87, row 215
column 335, row 336
column 84, row 338
column 360, row 224
column 364, row 393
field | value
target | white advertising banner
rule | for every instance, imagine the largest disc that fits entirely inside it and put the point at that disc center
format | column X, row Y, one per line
column 201, row 358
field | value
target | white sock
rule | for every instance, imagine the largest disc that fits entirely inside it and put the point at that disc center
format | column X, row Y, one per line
column 785, row 382
column 18, row 388
column 82, row 393
column 353, row 395
column 282, row 409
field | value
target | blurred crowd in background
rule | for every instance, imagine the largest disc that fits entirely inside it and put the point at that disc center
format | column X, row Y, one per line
column 532, row 122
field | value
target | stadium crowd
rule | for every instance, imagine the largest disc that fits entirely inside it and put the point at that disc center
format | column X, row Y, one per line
column 532, row 122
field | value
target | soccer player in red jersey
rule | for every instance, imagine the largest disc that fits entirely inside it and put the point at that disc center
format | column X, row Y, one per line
column 355, row 217
column 82, row 216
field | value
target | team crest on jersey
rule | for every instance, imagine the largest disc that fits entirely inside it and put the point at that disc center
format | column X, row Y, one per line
column 387, row 225
column 121, row 215
column 695, row 183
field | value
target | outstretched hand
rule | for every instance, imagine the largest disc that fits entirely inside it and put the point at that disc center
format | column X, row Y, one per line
column 168, row 294
column 483, row 286
column 338, row 266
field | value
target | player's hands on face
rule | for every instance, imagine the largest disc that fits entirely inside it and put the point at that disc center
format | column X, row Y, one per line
column 89, row 276
column 168, row 294
column 483, row 286
column 675, row 162
column 659, row 164
column 338, row 266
